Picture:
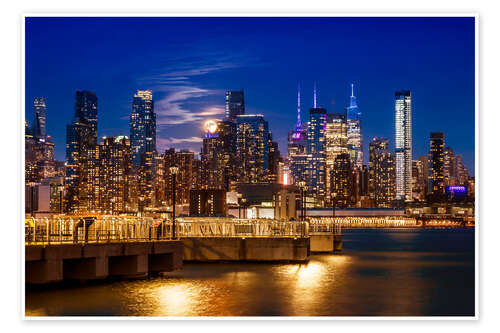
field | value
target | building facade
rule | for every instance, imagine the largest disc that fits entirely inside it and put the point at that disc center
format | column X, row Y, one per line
column 143, row 143
column 342, row 181
column 40, row 117
column 316, row 168
column 403, row 112
column 335, row 144
column 382, row 175
column 449, row 167
column 252, row 148
column 235, row 104
column 436, row 163
column 81, row 144
column 114, row 164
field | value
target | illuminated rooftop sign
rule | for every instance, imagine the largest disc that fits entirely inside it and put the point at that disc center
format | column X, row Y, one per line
column 457, row 190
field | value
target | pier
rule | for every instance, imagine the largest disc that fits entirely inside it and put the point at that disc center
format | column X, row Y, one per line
column 88, row 248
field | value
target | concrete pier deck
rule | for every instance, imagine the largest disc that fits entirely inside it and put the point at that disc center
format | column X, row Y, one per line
column 59, row 262
column 246, row 249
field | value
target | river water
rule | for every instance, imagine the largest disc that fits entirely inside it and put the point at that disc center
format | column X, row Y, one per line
column 379, row 273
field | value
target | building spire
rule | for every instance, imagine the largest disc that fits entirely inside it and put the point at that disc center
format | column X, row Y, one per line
column 314, row 102
column 299, row 124
column 352, row 89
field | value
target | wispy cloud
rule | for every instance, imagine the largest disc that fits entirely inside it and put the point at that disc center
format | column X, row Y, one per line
column 171, row 109
column 179, row 98
column 191, row 143
column 164, row 142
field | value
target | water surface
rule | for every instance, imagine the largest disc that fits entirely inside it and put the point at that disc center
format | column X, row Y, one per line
column 380, row 273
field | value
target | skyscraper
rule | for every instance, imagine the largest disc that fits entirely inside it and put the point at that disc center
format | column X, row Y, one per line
column 419, row 178
column 143, row 143
column 252, row 148
column 142, row 127
column 218, row 156
column 274, row 160
column 235, row 104
column 81, row 143
column 462, row 172
column 354, row 135
column 381, row 181
column 40, row 114
column 342, row 180
column 425, row 174
column 436, row 163
column 450, row 167
column 114, row 175
column 316, row 168
column 335, row 144
column 297, row 147
column 403, row 144
column 86, row 109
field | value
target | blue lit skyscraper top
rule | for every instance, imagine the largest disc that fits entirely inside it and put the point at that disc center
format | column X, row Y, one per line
column 354, row 135
column 353, row 110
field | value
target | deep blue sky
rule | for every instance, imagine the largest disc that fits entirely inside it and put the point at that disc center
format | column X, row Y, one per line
column 190, row 62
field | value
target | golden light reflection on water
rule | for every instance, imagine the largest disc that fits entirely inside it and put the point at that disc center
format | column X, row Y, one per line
column 176, row 300
column 306, row 283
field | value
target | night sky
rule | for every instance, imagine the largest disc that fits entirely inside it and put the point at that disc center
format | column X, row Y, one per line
column 190, row 62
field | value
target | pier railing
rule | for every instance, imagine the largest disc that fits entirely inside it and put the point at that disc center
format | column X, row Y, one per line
column 241, row 228
column 321, row 227
column 60, row 230
column 366, row 221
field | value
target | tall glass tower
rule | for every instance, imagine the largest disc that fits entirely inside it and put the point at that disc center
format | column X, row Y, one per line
column 142, row 127
column 403, row 145
column 316, row 172
column 354, row 136
column 143, row 143
column 39, row 122
column 86, row 108
column 81, row 142
column 235, row 104
column 252, row 148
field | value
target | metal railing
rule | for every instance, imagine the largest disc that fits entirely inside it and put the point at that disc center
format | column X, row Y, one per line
column 103, row 229
column 241, row 228
column 321, row 227
column 60, row 230
column 384, row 222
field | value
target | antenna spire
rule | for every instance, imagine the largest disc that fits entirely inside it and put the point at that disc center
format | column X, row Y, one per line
column 314, row 102
column 352, row 89
column 299, row 125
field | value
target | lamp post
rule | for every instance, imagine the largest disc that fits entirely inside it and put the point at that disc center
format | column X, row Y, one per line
column 302, row 185
column 239, row 205
column 244, row 200
column 334, row 195
column 173, row 171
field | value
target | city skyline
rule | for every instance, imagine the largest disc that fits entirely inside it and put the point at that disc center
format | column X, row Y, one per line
column 195, row 104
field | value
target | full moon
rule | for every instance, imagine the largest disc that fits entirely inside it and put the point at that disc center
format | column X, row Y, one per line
column 211, row 126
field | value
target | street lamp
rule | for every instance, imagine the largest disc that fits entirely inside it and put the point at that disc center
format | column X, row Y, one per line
column 302, row 185
column 173, row 170
column 334, row 194
column 244, row 200
column 239, row 205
